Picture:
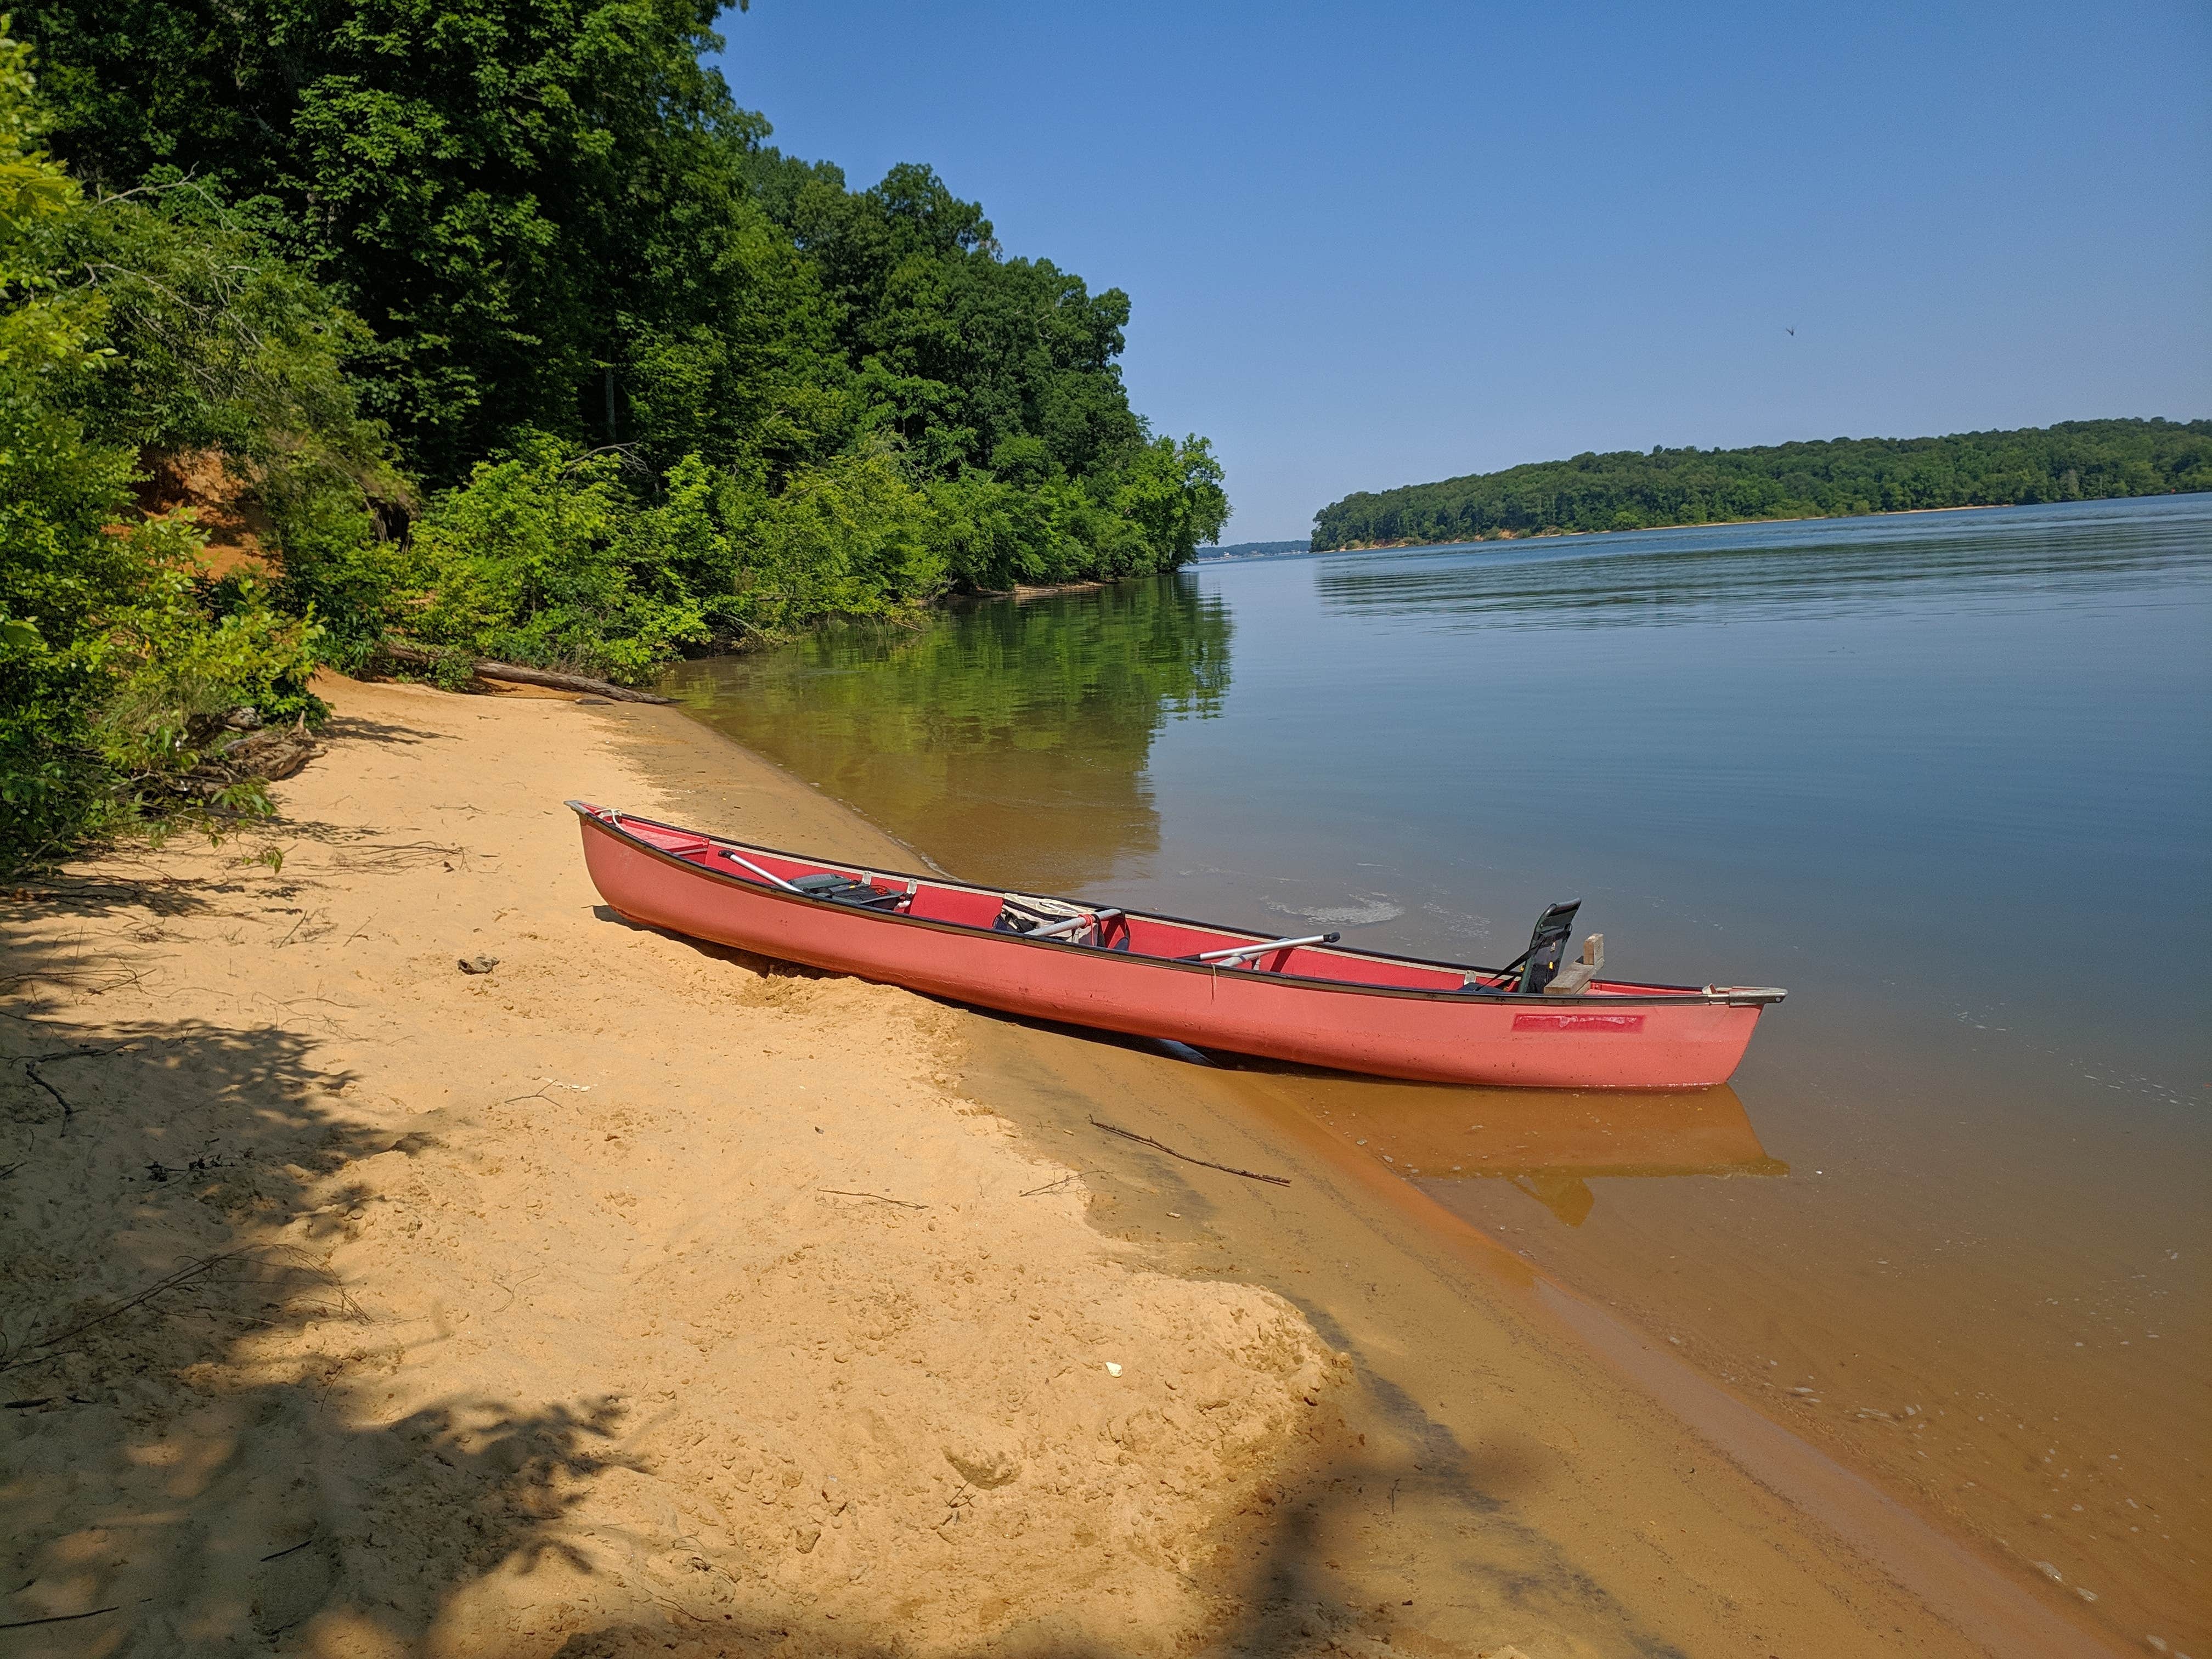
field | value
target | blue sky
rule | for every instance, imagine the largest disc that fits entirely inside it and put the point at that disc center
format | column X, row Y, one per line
column 1382, row 243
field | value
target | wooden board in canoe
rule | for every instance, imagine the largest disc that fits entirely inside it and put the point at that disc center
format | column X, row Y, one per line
column 1313, row 1002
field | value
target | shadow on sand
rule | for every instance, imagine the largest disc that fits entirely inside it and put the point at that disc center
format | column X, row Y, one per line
column 195, row 1456
column 168, row 1196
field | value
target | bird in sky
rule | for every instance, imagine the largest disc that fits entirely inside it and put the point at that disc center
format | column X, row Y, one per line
column 1790, row 331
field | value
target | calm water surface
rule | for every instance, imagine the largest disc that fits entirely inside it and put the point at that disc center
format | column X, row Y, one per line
column 1948, row 777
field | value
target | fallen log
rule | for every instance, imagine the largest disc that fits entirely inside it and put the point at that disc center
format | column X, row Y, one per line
column 516, row 673
column 584, row 682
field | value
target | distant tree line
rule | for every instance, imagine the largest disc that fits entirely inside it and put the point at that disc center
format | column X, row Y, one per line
column 2076, row 460
column 1258, row 550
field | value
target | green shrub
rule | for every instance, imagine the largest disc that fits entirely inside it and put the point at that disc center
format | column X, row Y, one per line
column 192, row 656
column 115, row 650
column 580, row 562
column 545, row 557
column 216, row 346
column 851, row 537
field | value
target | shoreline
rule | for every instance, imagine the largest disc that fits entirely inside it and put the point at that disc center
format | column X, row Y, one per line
column 1052, row 1082
column 590, row 1246
column 550, row 1286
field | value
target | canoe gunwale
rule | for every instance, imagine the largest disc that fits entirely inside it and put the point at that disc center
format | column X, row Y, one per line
column 605, row 821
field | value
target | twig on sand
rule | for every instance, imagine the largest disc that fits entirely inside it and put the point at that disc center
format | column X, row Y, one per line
column 60, row 1618
column 1052, row 1186
column 1147, row 1140
column 902, row 1203
column 291, row 1549
column 31, row 1071
column 78, row 978
column 183, row 1275
column 538, row 1093
column 31, row 1063
column 38, row 1352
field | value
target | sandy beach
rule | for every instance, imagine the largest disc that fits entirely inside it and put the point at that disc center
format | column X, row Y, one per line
column 636, row 1297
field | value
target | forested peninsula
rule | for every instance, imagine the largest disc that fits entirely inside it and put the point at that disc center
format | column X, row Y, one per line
column 2077, row 460
column 488, row 330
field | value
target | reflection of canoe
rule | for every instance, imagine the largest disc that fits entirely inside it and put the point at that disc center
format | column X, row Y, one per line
column 1695, row 1132
column 1549, row 1147
column 1354, row 1010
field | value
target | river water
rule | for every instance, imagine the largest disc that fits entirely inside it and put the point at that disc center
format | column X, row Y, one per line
column 1948, row 777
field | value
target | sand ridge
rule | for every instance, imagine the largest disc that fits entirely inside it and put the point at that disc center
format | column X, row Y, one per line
column 623, row 1296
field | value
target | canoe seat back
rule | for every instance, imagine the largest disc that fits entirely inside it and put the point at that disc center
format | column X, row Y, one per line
column 1547, row 944
column 1537, row 965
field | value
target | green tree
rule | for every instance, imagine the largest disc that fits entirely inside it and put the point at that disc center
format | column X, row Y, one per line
column 491, row 186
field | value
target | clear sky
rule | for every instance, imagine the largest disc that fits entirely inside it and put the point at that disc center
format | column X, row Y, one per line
column 1381, row 243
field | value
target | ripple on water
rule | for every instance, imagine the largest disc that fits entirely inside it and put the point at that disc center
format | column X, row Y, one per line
column 1346, row 915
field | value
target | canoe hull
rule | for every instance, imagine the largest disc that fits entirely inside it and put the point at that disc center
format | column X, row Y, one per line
column 1683, row 1042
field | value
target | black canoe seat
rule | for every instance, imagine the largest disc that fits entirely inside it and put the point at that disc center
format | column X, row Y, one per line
column 1537, row 966
column 1547, row 945
column 844, row 889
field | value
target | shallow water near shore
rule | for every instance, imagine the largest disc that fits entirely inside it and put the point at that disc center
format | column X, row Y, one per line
column 1944, row 776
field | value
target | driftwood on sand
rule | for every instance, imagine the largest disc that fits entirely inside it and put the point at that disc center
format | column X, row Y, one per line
column 517, row 674
column 1158, row 1145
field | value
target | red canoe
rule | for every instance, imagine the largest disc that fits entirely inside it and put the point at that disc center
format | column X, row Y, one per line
column 1311, row 1002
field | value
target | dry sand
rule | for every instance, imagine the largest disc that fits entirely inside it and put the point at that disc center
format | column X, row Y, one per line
column 635, row 1296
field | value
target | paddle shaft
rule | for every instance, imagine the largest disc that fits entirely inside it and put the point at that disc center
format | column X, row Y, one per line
column 774, row 880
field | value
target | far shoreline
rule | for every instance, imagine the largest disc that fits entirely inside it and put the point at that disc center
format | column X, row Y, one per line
column 1717, row 524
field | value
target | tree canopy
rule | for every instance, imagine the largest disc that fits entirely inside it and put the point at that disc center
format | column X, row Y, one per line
column 520, row 338
column 2078, row 460
column 552, row 216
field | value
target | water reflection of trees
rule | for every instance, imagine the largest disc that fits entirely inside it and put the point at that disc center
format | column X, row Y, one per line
column 1004, row 737
column 1826, row 568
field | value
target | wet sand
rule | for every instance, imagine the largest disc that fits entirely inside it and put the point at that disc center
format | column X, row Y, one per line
column 1613, row 1195
column 636, row 1296
column 2023, row 1398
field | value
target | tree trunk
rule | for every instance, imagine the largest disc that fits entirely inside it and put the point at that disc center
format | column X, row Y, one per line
column 514, row 673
